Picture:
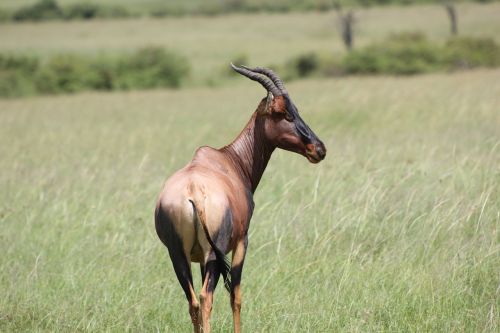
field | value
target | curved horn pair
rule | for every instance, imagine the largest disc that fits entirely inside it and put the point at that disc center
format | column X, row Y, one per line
column 266, row 77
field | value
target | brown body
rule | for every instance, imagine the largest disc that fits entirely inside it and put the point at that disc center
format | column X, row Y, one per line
column 204, row 209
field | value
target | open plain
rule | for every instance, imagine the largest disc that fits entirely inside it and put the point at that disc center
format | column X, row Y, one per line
column 396, row 231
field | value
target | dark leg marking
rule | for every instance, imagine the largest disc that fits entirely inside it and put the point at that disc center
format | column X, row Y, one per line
column 169, row 236
column 236, row 270
column 202, row 271
column 210, row 280
column 212, row 273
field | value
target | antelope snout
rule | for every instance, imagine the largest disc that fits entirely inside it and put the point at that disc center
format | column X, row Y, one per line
column 321, row 150
column 316, row 152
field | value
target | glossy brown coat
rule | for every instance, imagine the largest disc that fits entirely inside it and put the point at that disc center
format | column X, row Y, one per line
column 204, row 209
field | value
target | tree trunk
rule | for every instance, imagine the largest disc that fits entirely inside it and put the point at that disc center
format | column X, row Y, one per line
column 452, row 14
column 346, row 22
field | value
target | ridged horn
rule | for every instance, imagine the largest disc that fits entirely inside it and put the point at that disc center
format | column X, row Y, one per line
column 263, row 80
column 272, row 75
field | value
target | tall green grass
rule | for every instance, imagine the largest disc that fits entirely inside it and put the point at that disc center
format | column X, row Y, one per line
column 396, row 231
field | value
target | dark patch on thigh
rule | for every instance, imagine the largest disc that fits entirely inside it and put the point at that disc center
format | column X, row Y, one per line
column 223, row 236
column 165, row 229
column 169, row 236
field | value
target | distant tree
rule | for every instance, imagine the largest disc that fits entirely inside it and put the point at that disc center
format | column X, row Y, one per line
column 452, row 15
column 346, row 23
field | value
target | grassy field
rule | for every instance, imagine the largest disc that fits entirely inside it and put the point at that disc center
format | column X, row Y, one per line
column 265, row 39
column 396, row 231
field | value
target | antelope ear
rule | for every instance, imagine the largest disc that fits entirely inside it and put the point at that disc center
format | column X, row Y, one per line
column 278, row 105
column 269, row 102
column 266, row 104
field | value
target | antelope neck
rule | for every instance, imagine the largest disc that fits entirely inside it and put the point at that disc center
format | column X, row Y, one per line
column 250, row 152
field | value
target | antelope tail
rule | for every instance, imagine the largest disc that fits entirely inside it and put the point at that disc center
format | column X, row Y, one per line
column 222, row 260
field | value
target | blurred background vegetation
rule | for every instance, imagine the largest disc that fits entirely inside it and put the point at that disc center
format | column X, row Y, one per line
column 79, row 9
column 399, row 48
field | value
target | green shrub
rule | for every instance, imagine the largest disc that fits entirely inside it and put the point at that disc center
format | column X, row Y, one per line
column 88, row 11
column 160, row 12
column 400, row 54
column 147, row 68
column 210, row 9
column 14, row 84
column 104, row 74
column 167, row 11
column 234, row 5
column 302, row 66
column 18, row 63
column 466, row 52
column 113, row 12
column 49, row 9
column 84, row 11
column 363, row 62
column 150, row 68
column 307, row 64
column 16, row 75
column 42, row 10
column 4, row 15
column 64, row 73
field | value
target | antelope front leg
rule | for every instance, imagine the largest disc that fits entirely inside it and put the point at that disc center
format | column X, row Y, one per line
column 236, row 269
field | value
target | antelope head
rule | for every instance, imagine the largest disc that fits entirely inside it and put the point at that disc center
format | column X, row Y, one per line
column 284, row 127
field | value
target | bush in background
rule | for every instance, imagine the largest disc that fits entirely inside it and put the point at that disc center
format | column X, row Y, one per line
column 42, row 10
column 306, row 65
column 18, row 63
column 64, row 73
column 50, row 10
column 83, row 11
column 303, row 65
column 114, row 12
column 401, row 54
column 16, row 75
column 151, row 67
column 466, row 52
column 4, row 16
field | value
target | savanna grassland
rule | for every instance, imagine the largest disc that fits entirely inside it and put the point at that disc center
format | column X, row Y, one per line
column 396, row 231
column 265, row 39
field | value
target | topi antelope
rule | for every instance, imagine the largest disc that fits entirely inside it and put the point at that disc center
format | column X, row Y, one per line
column 204, row 209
